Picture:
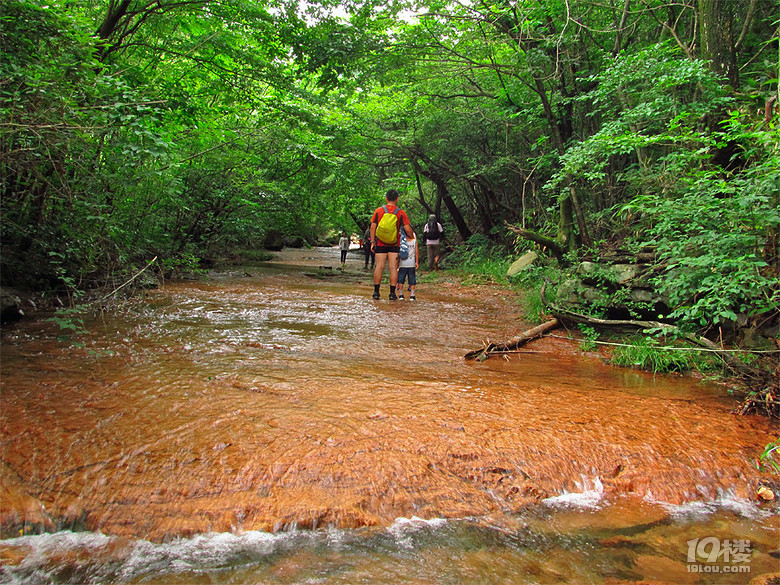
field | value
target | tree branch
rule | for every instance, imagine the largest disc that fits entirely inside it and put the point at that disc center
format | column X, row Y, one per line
column 746, row 25
column 553, row 244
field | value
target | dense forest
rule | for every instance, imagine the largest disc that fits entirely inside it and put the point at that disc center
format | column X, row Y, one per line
column 189, row 131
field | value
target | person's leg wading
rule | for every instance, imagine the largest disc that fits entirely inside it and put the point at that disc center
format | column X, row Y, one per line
column 379, row 267
column 392, row 262
column 399, row 288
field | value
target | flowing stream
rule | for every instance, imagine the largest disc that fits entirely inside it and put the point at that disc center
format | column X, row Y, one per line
column 275, row 425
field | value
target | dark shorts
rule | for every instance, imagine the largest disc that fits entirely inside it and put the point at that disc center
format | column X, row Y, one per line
column 403, row 272
column 384, row 249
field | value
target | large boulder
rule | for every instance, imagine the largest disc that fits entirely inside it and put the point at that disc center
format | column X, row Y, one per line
column 614, row 273
column 621, row 289
column 274, row 240
column 293, row 242
column 10, row 306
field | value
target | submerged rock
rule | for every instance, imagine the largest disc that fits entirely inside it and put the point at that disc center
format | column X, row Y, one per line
column 766, row 579
column 20, row 512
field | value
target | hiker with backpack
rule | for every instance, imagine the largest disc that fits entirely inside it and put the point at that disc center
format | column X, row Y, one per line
column 409, row 256
column 432, row 235
column 386, row 224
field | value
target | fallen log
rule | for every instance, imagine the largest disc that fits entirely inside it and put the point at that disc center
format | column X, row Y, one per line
column 572, row 317
column 514, row 343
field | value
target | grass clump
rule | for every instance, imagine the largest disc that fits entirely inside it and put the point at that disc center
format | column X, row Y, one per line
column 481, row 260
column 539, row 285
column 647, row 354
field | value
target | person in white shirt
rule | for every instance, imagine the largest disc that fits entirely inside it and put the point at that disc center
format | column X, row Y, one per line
column 344, row 243
column 408, row 268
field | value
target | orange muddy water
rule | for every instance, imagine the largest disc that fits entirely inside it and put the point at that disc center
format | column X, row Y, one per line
column 276, row 425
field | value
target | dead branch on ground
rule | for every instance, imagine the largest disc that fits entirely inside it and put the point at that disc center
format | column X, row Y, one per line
column 514, row 343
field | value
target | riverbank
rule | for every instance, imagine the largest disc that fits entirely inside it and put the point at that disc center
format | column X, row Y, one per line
column 613, row 306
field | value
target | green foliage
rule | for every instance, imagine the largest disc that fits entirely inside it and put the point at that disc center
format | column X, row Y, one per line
column 769, row 459
column 711, row 221
column 646, row 354
column 714, row 231
column 651, row 104
column 70, row 321
column 75, row 141
column 98, row 173
column 181, row 264
column 591, row 336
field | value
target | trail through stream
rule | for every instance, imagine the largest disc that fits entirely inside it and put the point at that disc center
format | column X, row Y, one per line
column 275, row 425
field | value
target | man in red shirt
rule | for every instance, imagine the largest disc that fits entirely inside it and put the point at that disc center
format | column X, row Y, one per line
column 387, row 251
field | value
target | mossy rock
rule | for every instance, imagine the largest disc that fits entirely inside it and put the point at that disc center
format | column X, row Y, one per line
column 521, row 264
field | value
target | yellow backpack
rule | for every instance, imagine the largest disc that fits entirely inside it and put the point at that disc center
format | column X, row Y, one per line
column 387, row 229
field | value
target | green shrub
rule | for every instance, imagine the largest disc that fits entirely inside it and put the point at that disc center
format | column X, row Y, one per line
column 535, row 280
column 591, row 335
column 256, row 255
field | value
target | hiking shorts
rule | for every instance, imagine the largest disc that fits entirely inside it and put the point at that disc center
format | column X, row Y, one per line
column 382, row 248
column 404, row 272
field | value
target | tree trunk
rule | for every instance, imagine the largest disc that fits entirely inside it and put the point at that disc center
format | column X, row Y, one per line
column 362, row 225
column 569, row 205
column 619, row 28
column 483, row 195
column 110, row 22
column 717, row 40
column 551, row 244
column 420, row 193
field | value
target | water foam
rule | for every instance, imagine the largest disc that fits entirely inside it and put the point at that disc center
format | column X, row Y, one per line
column 725, row 500
column 590, row 496
column 404, row 530
column 99, row 558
